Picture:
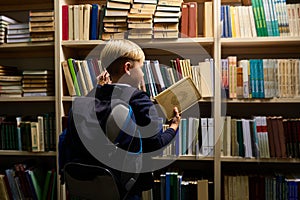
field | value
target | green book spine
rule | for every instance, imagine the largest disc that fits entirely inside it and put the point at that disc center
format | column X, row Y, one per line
column 263, row 18
column 54, row 191
column 36, row 185
column 74, row 77
column 46, row 185
column 256, row 18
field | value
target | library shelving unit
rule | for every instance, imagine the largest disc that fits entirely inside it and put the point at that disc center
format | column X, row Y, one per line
column 261, row 48
column 27, row 56
column 197, row 49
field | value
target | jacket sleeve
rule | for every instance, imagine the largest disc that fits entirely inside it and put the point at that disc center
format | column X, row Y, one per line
column 150, row 123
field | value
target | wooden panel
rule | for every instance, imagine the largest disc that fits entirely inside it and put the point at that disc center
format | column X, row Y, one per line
column 19, row 5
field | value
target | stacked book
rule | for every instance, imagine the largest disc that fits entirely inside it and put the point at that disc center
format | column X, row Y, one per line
column 10, row 82
column 38, row 83
column 114, row 22
column 41, row 25
column 166, row 18
column 4, row 21
column 18, row 32
column 140, row 20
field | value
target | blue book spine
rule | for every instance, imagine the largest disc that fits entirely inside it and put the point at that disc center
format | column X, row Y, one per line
column 92, row 72
column 94, row 22
column 261, row 79
column 252, row 78
column 225, row 27
column 168, row 185
column 222, row 22
column 229, row 21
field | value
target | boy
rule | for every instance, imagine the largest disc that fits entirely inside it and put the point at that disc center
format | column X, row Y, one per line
column 123, row 61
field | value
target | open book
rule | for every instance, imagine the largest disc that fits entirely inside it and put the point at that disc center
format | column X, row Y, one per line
column 182, row 94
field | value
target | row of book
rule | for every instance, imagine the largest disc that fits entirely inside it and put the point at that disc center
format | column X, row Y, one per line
column 34, row 134
column 38, row 28
column 16, row 83
column 262, row 18
column 171, row 185
column 261, row 137
column 120, row 19
column 24, row 182
column 260, row 78
column 81, row 75
column 158, row 76
column 253, row 78
column 195, row 137
column 260, row 187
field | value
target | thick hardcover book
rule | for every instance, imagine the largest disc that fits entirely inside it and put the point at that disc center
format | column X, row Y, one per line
column 184, row 20
column 182, row 94
column 74, row 76
column 94, row 21
column 68, row 78
column 208, row 19
column 193, row 19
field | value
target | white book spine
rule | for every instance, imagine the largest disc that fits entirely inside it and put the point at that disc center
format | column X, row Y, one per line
column 86, row 21
column 81, row 25
column 252, row 22
column 76, row 22
column 41, row 133
column 204, row 132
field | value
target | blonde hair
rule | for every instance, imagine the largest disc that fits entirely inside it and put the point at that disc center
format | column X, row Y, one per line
column 116, row 49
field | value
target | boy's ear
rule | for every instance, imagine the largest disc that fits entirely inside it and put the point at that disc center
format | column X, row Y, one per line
column 127, row 66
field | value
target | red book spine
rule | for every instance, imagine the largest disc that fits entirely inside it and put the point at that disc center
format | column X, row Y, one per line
column 193, row 19
column 65, row 23
column 184, row 20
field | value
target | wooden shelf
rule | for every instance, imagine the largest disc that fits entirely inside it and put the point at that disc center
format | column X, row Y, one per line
column 25, row 153
column 260, row 41
column 16, row 46
column 27, row 50
column 27, row 99
column 69, row 98
column 186, row 157
column 143, row 43
column 266, row 47
column 16, row 5
column 260, row 160
column 273, row 100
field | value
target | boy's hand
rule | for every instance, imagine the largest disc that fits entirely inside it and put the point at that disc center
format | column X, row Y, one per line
column 174, row 123
column 103, row 78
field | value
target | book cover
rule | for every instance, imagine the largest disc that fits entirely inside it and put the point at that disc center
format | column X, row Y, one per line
column 206, row 80
column 182, row 94
column 94, row 21
column 202, row 189
column 74, row 76
column 193, row 19
column 208, row 19
column 184, row 20
column 68, row 78
column 65, row 22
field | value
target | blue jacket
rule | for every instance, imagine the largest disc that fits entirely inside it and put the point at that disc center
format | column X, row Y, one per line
column 153, row 137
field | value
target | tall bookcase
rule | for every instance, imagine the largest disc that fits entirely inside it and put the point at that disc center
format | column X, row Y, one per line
column 217, row 48
column 27, row 56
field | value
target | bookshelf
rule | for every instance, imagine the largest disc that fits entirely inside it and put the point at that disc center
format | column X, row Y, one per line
column 27, row 56
column 217, row 48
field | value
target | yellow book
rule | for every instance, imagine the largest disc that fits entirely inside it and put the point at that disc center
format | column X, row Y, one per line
column 183, row 94
column 232, row 16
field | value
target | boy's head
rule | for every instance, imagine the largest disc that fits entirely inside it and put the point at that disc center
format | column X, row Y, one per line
column 118, row 56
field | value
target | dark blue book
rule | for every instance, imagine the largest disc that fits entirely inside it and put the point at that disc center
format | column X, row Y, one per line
column 94, row 22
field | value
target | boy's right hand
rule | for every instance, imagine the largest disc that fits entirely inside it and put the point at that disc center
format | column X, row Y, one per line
column 174, row 123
